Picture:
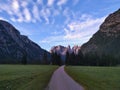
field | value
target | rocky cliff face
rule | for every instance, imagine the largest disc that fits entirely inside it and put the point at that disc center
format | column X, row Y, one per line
column 61, row 50
column 14, row 46
column 76, row 49
column 107, row 39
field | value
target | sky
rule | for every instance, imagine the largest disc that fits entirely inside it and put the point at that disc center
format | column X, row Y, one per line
column 57, row 22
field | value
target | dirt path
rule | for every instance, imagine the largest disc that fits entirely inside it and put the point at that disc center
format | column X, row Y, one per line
column 61, row 81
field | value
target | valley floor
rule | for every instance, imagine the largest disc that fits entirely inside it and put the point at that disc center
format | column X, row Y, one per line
column 37, row 77
column 96, row 78
column 25, row 77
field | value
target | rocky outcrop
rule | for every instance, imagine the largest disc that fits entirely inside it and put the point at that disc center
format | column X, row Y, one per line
column 61, row 50
column 76, row 49
column 14, row 46
column 107, row 39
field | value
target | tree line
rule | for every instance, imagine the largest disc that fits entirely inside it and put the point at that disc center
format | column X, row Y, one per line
column 44, row 61
column 85, row 60
column 77, row 59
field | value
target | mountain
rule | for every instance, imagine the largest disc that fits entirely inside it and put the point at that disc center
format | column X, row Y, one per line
column 76, row 49
column 107, row 39
column 15, row 47
column 61, row 50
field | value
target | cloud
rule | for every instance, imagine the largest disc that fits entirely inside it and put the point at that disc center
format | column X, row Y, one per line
column 40, row 2
column 32, row 11
column 19, row 19
column 5, row 7
column 36, row 13
column 24, row 3
column 18, row 11
column 45, row 13
column 67, row 13
column 75, row 32
column 75, row 2
column 58, row 40
column 61, row 2
column 50, row 2
column 27, row 15
column 15, row 5
column 52, row 39
column 85, row 27
column 39, row 11
column 56, row 12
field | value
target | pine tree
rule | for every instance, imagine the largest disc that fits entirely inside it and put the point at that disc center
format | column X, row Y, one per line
column 67, row 58
column 59, row 61
column 79, row 58
column 72, row 59
column 24, row 59
column 45, row 59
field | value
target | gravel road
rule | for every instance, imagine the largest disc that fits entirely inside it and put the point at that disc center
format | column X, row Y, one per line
column 62, row 81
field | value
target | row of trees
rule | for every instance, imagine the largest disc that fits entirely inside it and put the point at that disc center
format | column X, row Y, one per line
column 56, row 59
column 100, row 60
column 85, row 60
column 90, row 59
column 44, row 60
column 77, row 59
column 70, row 59
column 73, row 59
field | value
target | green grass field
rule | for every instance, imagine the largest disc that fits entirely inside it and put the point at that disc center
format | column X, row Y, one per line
column 96, row 78
column 25, row 77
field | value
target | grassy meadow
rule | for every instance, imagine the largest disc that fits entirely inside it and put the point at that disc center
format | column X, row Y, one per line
column 96, row 78
column 25, row 77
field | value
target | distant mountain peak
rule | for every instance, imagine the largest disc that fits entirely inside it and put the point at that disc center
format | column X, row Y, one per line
column 61, row 50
